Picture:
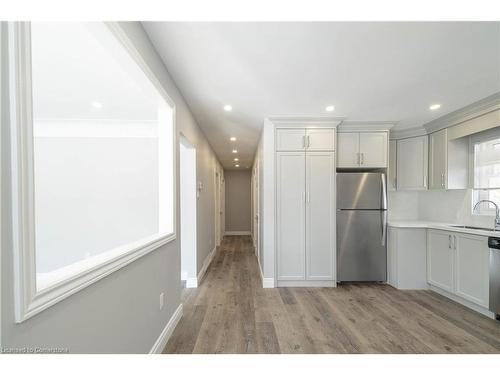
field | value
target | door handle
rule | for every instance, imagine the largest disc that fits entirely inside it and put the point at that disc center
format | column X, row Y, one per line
column 449, row 241
column 384, row 227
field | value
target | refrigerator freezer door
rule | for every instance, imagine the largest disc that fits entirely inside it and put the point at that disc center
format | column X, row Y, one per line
column 361, row 191
column 361, row 245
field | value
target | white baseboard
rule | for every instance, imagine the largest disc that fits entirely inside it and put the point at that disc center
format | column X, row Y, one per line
column 463, row 301
column 192, row 282
column 267, row 282
column 162, row 340
column 204, row 268
column 238, row 233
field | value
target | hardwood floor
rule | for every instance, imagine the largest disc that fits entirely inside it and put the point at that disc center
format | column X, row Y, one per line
column 231, row 313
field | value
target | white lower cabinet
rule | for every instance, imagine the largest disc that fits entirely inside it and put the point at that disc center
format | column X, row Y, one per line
column 305, row 218
column 459, row 264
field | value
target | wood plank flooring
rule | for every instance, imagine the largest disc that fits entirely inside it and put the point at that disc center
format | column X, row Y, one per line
column 231, row 313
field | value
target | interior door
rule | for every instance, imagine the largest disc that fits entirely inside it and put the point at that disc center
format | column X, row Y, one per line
column 290, row 195
column 373, row 149
column 320, row 215
column 472, row 257
column 321, row 139
column 440, row 259
column 348, row 150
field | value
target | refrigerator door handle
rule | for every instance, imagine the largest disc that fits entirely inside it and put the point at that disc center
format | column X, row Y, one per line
column 384, row 192
column 383, row 214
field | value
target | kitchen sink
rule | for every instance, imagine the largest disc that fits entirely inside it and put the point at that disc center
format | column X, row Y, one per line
column 470, row 227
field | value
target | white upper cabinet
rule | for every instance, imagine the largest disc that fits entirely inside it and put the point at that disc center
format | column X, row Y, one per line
column 290, row 139
column 392, row 174
column 348, row 150
column 316, row 139
column 373, row 149
column 437, row 163
column 448, row 161
column 362, row 150
column 412, row 163
column 320, row 139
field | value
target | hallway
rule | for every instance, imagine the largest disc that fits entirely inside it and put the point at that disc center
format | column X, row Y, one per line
column 231, row 313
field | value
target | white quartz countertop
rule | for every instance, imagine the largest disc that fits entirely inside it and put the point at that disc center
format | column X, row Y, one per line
column 442, row 226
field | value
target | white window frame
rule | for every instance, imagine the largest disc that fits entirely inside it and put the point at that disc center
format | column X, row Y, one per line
column 485, row 136
column 29, row 301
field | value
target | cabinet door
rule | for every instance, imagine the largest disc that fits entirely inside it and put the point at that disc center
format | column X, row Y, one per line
column 440, row 259
column 412, row 163
column 348, row 150
column 320, row 215
column 373, row 150
column 290, row 195
column 290, row 139
column 437, row 160
column 472, row 268
column 320, row 139
column 392, row 175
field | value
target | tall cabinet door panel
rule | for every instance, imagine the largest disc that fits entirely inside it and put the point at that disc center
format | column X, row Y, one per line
column 320, row 215
column 438, row 159
column 290, row 195
column 472, row 268
column 412, row 163
column 348, row 150
column 440, row 259
column 290, row 139
column 321, row 139
column 373, row 149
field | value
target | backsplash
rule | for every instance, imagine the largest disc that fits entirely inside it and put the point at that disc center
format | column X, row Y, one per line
column 449, row 206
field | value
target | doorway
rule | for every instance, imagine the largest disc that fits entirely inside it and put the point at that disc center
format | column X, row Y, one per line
column 187, row 156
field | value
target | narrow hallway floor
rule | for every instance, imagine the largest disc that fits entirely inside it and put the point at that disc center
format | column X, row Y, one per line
column 230, row 312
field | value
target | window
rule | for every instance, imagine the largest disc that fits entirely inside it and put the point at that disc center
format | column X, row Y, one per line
column 486, row 149
column 96, row 166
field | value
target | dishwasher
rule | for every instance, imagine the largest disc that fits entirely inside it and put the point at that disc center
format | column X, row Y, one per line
column 494, row 245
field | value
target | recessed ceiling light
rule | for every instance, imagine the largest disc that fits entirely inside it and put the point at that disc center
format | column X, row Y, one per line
column 434, row 107
column 237, row 165
column 235, row 151
column 228, row 108
column 236, row 159
column 232, row 139
column 96, row 105
column 330, row 108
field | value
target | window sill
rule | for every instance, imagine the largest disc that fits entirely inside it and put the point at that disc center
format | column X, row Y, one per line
column 60, row 284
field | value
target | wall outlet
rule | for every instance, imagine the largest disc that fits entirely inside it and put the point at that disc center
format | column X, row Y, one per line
column 162, row 300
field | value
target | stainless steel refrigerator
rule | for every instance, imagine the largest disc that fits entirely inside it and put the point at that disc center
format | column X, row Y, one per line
column 361, row 227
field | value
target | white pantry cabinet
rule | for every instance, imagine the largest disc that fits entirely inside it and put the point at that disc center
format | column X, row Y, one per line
column 305, row 208
column 448, row 161
column 301, row 139
column 412, row 163
column 362, row 149
column 458, row 263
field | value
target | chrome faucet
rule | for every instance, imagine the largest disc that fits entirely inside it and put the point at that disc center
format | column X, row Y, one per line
column 497, row 216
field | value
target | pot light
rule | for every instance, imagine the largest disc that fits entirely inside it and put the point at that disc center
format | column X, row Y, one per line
column 96, row 105
column 236, row 159
column 235, row 151
column 434, row 107
column 237, row 165
column 232, row 139
column 330, row 108
column 228, row 108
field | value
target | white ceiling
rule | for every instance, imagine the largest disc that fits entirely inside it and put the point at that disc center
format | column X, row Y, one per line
column 368, row 71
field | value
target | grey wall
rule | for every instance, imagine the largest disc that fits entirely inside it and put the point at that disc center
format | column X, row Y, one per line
column 120, row 313
column 238, row 185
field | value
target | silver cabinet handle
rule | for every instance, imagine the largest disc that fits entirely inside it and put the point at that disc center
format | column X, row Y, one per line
column 359, row 158
column 303, row 141
column 442, row 179
column 449, row 241
column 425, row 181
column 455, row 242
column 308, row 197
column 362, row 158
column 308, row 142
